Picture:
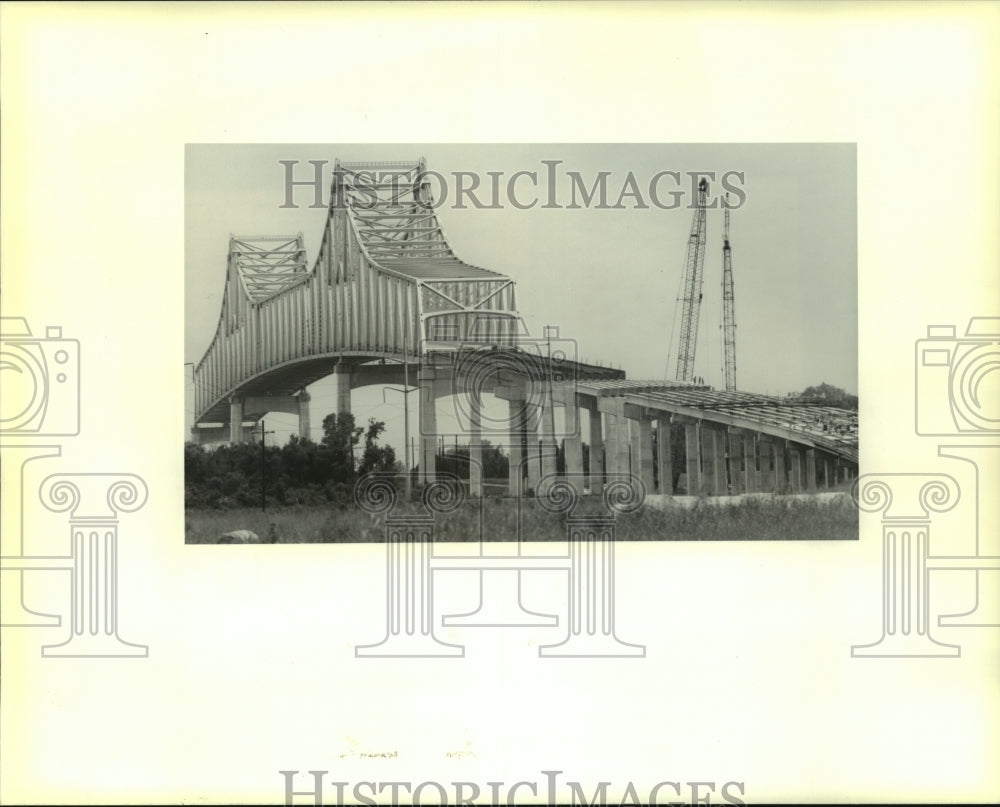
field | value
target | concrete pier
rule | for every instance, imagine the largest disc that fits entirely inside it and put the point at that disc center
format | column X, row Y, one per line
column 664, row 458
column 426, row 380
column 595, row 465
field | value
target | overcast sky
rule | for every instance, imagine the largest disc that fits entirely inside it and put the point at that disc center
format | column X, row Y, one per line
column 608, row 278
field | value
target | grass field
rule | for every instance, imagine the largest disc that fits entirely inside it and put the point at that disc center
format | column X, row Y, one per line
column 741, row 519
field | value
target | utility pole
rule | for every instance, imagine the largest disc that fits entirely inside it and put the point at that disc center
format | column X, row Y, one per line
column 263, row 466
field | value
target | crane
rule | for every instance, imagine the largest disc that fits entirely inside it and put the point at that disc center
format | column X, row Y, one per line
column 691, row 293
column 728, row 310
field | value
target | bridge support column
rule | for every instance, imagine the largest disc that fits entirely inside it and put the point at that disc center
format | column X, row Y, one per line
column 811, row 470
column 692, row 451
column 595, row 465
column 547, row 432
column 305, row 421
column 428, row 424
column 644, row 427
column 664, row 458
column 795, row 475
column 709, row 461
column 475, row 446
column 573, row 441
column 767, row 479
column 737, row 474
column 516, row 451
column 721, row 473
column 780, row 466
column 616, row 435
column 342, row 388
column 533, row 448
column 750, row 483
column 235, row 420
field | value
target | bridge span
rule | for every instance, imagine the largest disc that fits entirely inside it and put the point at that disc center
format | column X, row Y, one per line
column 387, row 301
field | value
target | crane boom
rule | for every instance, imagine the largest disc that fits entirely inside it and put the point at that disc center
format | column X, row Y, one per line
column 728, row 308
column 691, row 299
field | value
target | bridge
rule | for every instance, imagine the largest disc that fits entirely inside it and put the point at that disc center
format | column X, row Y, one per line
column 387, row 301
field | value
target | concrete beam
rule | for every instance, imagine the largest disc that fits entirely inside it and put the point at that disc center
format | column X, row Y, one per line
column 634, row 412
column 255, row 406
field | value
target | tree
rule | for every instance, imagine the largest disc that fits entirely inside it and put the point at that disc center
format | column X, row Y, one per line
column 828, row 395
column 495, row 462
column 340, row 435
column 376, row 457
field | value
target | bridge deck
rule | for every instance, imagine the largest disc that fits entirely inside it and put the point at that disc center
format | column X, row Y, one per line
column 827, row 427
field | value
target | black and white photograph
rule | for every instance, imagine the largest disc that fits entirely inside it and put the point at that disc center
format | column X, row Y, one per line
column 680, row 318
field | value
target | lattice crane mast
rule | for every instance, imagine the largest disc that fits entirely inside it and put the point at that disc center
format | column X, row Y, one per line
column 691, row 293
column 728, row 307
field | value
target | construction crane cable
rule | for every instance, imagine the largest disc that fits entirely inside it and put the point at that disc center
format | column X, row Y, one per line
column 728, row 307
column 692, row 293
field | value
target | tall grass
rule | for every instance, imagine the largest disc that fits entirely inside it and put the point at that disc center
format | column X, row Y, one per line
column 749, row 519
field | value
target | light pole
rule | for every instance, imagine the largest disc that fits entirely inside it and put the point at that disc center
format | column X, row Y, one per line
column 263, row 466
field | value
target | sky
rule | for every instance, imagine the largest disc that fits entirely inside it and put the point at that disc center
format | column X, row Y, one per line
column 608, row 278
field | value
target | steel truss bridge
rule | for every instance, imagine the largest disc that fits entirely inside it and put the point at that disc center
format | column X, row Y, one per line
column 387, row 301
